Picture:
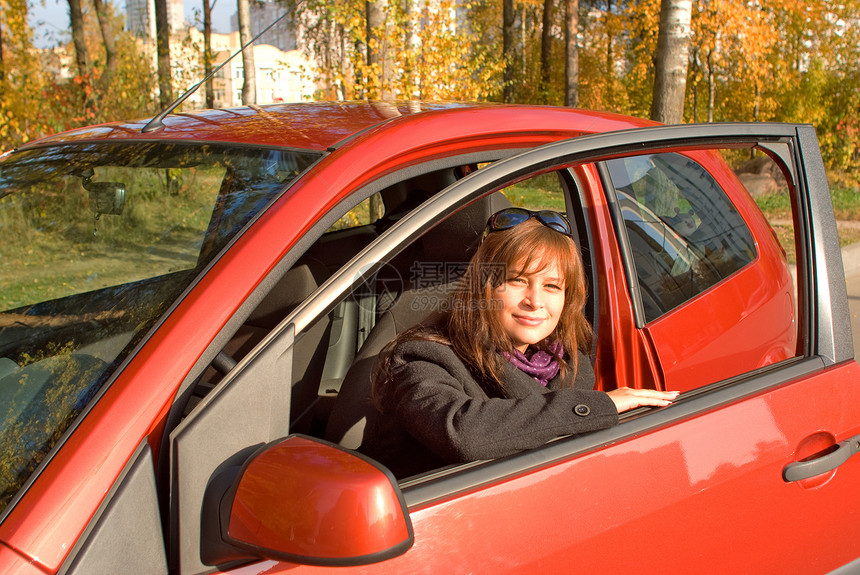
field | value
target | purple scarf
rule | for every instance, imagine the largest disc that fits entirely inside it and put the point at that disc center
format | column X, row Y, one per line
column 539, row 364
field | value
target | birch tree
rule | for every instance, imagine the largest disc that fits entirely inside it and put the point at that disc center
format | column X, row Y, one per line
column 249, row 86
column 671, row 60
column 571, row 53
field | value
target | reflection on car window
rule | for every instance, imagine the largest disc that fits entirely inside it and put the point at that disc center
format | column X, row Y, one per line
column 684, row 233
column 99, row 241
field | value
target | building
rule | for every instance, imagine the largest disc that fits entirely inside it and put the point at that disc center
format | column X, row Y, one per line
column 140, row 17
column 264, row 13
column 282, row 76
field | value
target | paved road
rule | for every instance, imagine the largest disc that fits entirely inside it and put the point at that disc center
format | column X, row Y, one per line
column 853, row 283
column 851, row 260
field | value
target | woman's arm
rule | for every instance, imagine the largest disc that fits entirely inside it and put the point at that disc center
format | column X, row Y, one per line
column 436, row 400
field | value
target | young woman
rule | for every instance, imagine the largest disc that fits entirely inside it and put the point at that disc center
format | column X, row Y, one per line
column 503, row 370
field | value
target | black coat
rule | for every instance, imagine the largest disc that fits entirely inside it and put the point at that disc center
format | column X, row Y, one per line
column 436, row 413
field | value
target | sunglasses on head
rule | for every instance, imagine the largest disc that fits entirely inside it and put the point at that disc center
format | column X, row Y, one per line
column 512, row 217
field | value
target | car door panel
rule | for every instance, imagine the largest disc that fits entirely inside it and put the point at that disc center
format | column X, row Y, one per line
column 728, row 459
column 624, row 356
column 695, row 340
column 704, row 494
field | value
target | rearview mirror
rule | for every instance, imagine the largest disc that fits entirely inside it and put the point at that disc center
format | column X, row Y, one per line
column 106, row 198
column 306, row 501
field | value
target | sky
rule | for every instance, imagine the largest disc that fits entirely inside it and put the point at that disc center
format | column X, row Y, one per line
column 50, row 18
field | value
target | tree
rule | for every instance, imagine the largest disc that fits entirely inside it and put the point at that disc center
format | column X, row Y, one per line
column 545, row 50
column 162, row 41
column 375, row 40
column 670, row 61
column 207, row 53
column 508, row 50
column 76, row 18
column 571, row 52
column 249, row 86
column 21, row 78
column 109, row 43
column 82, row 62
column 2, row 63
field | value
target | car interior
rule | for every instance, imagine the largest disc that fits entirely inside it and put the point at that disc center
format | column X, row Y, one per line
column 334, row 358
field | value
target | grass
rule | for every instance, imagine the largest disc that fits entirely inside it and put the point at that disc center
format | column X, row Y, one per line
column 54, row 246
column 846, row 204
column 543, row 192
column 846, row 207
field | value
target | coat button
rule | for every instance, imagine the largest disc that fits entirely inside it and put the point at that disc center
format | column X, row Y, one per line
column 582, row 410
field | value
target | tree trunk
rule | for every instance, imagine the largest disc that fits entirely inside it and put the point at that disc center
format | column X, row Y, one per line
column 76, row 18
column 207, row 53
column 671, row 61
column 2, row 63
column 508, row 50
column 610, row 58
column 374, row 20
column 712, row 86
column 162, row 40
column 412, row 14
column 249, row 86
column 545, row 50
column 109, row 41
column 571, row 53
column 82, row 60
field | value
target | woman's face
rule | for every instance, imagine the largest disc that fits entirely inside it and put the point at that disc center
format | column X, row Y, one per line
column 529, row 303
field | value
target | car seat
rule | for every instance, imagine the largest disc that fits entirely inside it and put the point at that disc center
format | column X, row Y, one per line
column 450, row 243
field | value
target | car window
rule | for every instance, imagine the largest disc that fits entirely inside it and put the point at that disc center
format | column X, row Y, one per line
column 365, row 213
column 99, row 241
column 408, row 289
column 684, row 233
column 543, row 192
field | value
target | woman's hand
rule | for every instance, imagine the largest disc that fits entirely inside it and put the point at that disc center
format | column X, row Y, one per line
column 627, row 398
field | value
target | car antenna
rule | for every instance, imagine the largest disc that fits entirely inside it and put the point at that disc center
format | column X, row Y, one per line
column 156, row 122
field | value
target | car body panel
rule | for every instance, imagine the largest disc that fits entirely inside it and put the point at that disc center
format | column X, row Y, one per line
column 136, row 403
column 718, row 455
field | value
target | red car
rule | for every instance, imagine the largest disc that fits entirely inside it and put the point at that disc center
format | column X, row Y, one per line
column 192, row 312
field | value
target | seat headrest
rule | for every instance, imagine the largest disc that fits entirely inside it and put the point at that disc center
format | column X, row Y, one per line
column 456, row 238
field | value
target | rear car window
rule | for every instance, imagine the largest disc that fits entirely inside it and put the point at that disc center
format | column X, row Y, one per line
column 99, row 241
column 684, row 233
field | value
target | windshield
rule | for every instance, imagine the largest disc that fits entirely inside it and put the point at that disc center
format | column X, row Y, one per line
column 99, row 240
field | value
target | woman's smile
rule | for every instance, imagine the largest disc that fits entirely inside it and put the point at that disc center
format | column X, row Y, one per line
column 527, row 320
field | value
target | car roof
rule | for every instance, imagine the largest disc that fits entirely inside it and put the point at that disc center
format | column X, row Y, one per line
column 312, row 125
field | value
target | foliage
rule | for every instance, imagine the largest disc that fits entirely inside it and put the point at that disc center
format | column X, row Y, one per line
column 423, row 50
column 39, row 97
column 782, row 60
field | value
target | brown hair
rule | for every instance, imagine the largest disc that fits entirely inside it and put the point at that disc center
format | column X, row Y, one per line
column 472, row 327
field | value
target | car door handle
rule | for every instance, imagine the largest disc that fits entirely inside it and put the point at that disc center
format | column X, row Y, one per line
column 828, row 462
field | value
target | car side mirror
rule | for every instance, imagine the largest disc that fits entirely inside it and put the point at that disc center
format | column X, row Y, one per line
column 307, row 501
